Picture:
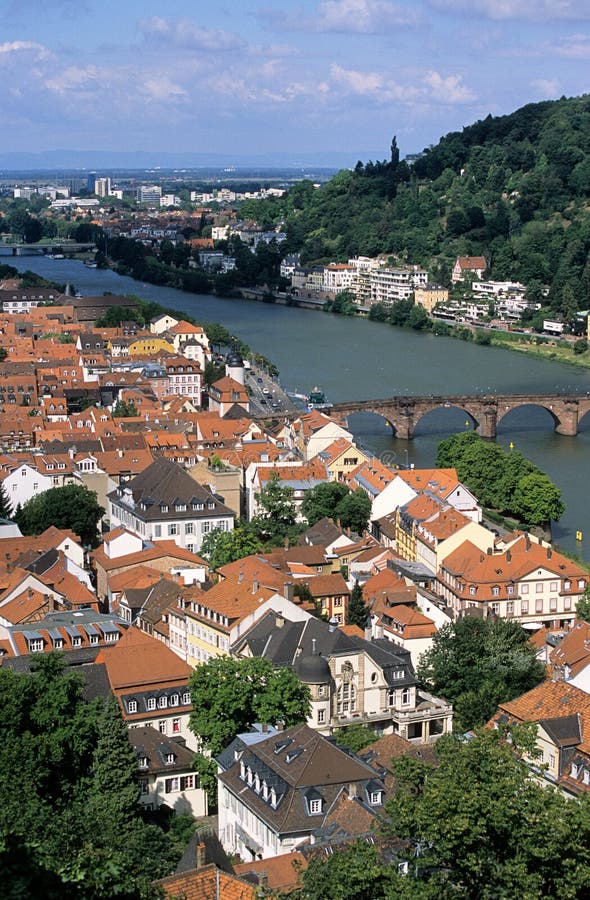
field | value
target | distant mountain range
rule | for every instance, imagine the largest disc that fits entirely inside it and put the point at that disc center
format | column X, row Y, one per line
column 58, row 160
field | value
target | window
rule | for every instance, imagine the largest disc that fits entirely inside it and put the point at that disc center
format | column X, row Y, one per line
column 510, row 590
column 186, row 699
column 553, row 586
column 539, row 587
column 346, row 700
column 144, row 786
column 58, row 643
column 111, row 636
column 151, row 703
column 524, row 589
column 375, row 798
column 76, row 642
column 162, row 728
column 581, row 584
column 315, row 807
column 189, row 527
column 495, row 607
column 495, row 592
column 406, row 697
column 567, row 585
column 472, row 590
column 143, row 762
column 321, row 690
column 132, row 706
column 173, row 700
column 567, row 603
column 163, row 507
column 36, row 645
column 321, row 716
column 553, row 604
column 172, row 529
column 162, row 702
column 187, row 782
column 206, row 527
column 539, row 605
column 510, row 608
column 175, row 726
column 157, row 531
column 171, row 785
column 524, row 606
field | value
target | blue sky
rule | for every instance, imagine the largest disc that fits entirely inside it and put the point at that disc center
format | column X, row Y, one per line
column 257, row 76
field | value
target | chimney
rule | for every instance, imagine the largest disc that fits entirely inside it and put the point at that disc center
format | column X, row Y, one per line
column 201, row 855
column 289, row 590
column 549, row 553
column 368, row 629
column 255, row 586
column 51, row 601
column 264, row 728
column 508, row 556
column 527, row 543
column 279, row 620
column 314, row 647
column 262, row 880
column 240, row 576
column 352, row 790
column 489, row 551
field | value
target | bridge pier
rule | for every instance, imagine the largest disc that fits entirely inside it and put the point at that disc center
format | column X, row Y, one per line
column 488, row 423
column 404, row 427
column 568, row 420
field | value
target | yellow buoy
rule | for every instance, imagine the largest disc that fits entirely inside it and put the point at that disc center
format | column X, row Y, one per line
column 511, row 445
column 579, row 535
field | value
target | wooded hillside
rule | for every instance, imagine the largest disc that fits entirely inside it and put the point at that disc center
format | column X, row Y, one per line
column 514, row 188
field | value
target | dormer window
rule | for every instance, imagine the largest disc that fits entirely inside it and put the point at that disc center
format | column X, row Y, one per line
column 174, row 700
column 143, row 762
column 210, row 505
column 163, row 507
column 169, row 759
column 186, row 699
column 132, row 706
column 273, row 797
column 162, row 702
column 151, row 703
column 249, row 776
column 376, row 798
column 264, row 790
column 242, row 770
column 315, row 806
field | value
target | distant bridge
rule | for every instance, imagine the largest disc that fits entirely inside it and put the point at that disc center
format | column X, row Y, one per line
column 19, row 248
column 486, row 410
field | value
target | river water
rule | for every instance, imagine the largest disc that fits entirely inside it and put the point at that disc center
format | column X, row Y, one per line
column 357, row 359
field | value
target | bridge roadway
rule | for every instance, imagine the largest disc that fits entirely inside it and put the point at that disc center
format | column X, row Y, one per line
column 486, row 410
column 21, row 249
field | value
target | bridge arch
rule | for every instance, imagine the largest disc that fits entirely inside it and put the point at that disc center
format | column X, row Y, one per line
column 457, row 417
column 506, row 409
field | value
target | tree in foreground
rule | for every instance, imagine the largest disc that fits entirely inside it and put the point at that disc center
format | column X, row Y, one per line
column 277, row 514
column 71, row 506
column 322, row 501
column 482, row 822
column 69, row 819
column 354, row 511
column 124, row 410
column 224, row 547
column 478, row 664
column 355, row 737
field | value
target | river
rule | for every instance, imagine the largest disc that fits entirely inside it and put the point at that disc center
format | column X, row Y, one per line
column 358, row 359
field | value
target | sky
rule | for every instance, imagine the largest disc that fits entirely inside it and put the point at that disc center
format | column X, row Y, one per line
column 266, row 77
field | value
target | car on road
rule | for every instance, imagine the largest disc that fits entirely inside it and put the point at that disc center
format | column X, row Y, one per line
column 259, row 380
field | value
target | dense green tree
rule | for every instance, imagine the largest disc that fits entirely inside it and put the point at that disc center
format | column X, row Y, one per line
column 537, row 501
column 481, row 823
column 224, row 547
column 322, row 500
column 583, row 606
column 71, row 506
column 77, row 793
column 355, row 737
column 354, row 511
column 229, row 695
column 277, row 513
column 5, row 505
column 124, row 410
column 358, row 610
column 477, row 664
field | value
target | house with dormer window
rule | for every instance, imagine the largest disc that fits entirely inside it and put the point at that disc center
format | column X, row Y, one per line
column 278, row 790
column 165, row 773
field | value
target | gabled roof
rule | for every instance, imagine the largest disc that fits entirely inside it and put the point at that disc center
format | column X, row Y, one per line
column 139, row 660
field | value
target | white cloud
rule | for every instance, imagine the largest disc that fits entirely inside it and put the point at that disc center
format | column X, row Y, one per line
column 534, row 10
column 345, row 16
column 363, row 83
column 73, row 78
column 363, row 16
column 449, row 89
column 547, row 87
column 576, row 46
column 186, row 35
column 434, row 86
column 10, row 47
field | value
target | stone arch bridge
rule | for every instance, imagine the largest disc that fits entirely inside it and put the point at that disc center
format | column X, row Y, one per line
column 486, row 410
